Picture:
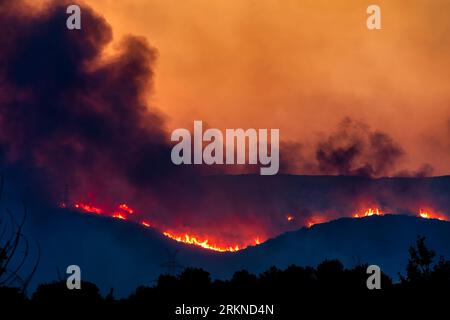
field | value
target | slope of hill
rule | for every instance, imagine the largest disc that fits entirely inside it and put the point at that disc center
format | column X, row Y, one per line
column 124, row 255
column 382, row 240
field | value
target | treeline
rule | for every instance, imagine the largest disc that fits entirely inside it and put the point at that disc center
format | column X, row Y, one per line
column 296, row 287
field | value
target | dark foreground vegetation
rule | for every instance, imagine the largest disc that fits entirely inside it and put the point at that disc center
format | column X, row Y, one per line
column 327, row 289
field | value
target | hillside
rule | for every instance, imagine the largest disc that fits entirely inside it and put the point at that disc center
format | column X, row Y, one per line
column 124, row 255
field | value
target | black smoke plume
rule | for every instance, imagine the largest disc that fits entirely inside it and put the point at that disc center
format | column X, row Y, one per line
column 356, row 150
column 76, row 115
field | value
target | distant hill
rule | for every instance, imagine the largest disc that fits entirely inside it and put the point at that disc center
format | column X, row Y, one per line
column 123, row 255
column 382, row 240
column 264, row 202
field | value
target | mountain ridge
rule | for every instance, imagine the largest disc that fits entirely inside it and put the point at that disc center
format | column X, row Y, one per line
column 124, row 255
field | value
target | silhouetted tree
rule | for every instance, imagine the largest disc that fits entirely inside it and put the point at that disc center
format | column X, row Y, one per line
column 10, row 296
column 420, row 265
column 58, row 293
column 422, row 272
column 167, row 282
column 356, row 278
column 330, row 275
column 440, row 277
column 271, row 278
column 243, row 280
column 14, row 250
column 198, row 279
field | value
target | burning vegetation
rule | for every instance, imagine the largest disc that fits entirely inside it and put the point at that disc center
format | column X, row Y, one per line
column 123, row 212
column 86, row 208
column 430, row 214
column 201, row 243
column 368, row 212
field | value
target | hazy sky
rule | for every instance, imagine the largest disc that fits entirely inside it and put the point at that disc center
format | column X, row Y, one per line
column 300, row 66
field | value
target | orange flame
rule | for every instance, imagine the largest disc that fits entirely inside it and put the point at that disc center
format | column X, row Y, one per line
column 189, row 239
column 314, row 220
column 429, row 214
column 369, row 212
column 126, row 208
column 424, row 214
column 88, row 208
column 123, row 209
column 119, row 215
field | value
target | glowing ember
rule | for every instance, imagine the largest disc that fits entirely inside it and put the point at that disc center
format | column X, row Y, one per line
column 119, row 215
column 145, row 224
column 257, row 241
column 204, row 244
column 369, row 212
column 289, row 218
column 126, row 208
column 314, row 220
column 88, row 208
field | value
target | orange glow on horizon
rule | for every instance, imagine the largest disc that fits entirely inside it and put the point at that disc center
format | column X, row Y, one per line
column 211, row 243
column 430, row 214
column 368, row 212
column 311, row 221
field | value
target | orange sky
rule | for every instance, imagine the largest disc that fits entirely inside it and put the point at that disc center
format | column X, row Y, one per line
column 301, row 66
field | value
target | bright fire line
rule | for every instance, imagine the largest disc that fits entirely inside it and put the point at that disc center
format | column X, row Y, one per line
column 204, row 244
column 123, row 210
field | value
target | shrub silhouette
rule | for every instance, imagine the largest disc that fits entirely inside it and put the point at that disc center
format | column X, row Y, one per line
column 193, row 277
column 14, row 254
column 422, row 272
column 330, row 281
column 242, row 280
column 12, row 296
column 420, row 261
column 58, row 293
